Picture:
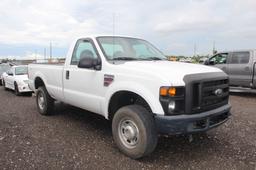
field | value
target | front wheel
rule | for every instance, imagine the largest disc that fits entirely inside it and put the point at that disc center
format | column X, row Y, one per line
column 16, row 89
column 4, row 85
column 45, row 103
column 134, row 131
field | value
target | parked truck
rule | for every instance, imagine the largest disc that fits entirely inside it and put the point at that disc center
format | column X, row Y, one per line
column 130, row 82
column 239, row 65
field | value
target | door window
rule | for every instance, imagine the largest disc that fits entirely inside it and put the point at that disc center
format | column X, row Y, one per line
column 240, row 58
column 219, row 58
column 83, row 49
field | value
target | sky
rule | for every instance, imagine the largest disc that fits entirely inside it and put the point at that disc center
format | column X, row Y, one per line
column 176, row 27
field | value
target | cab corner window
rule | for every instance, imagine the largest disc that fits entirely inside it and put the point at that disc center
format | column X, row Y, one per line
column 83, row 49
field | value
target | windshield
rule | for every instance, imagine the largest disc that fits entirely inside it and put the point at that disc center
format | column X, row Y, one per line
column 122, row 48
column 21, row 70
column 4, row 68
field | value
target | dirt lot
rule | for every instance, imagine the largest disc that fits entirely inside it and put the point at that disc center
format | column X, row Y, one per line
column 75, row 139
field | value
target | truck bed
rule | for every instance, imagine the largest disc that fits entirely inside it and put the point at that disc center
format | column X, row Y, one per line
column 51, row 73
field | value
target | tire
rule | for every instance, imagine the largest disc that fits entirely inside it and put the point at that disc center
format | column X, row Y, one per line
column 16, row 89
column 134, row 131
column 45, row 103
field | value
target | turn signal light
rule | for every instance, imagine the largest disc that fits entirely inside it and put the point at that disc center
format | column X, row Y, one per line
column 172, row 91
column 164, row 91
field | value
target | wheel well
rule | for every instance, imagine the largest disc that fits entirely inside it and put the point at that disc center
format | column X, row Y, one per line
column 124, row 98
column 38, row 82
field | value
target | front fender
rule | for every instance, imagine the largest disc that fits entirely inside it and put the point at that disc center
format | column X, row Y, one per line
column 146, row 94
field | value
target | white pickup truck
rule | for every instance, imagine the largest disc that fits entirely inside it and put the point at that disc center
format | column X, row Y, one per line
column 130, row 82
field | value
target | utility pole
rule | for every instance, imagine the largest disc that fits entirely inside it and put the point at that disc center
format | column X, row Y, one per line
column 35, row 54
column 213, row 48
column 195, row 48
column 44, row 53
column 50, row 50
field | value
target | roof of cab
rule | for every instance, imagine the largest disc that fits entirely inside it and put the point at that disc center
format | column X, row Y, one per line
column 243, row 50
column 105, row 35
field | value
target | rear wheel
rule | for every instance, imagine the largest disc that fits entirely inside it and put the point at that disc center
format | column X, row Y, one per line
column 45, row 103
column 134, row 131
column 16, row 89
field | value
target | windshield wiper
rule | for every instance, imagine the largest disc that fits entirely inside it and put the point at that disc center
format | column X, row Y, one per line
column 124, row 58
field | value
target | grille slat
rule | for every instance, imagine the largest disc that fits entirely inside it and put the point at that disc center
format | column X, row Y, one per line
column 209, row 88
column 212, row 97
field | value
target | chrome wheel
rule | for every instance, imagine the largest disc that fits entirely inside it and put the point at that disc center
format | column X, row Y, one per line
column 40, row 101
column 128, row 133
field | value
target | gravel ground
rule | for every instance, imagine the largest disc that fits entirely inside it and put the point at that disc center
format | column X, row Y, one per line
column 76, row 139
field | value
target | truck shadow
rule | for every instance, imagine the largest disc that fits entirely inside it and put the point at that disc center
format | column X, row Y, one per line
column 94, row 121
column 243, row 94
column 178, row 150
column 170, row 149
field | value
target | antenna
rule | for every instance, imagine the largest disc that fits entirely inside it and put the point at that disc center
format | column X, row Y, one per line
column 113, row 29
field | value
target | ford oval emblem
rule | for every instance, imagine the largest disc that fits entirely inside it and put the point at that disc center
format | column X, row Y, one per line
column 218, row 92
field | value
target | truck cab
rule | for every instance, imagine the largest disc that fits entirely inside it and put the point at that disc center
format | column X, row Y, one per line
column 239, row 65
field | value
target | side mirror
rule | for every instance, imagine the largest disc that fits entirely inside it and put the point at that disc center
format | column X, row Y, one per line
column 211, row 62
column 206, row 62
column 10, row 74
column 90, row 63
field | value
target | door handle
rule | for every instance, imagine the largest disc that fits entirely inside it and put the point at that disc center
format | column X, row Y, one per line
column 67, row 74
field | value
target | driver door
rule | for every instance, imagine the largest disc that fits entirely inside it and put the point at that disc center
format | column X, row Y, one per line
column 83, row 86
column 9, row 80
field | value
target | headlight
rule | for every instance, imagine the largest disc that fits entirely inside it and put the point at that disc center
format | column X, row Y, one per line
column 172, row 100
column 171, row 106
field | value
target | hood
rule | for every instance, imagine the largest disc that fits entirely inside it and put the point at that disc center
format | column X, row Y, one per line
column 173, row 72
column 21, row 77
